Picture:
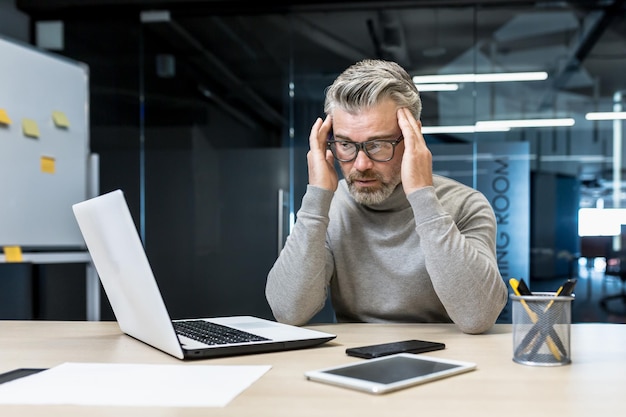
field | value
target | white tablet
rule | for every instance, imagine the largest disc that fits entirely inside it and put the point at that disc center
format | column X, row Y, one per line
column 390, row 373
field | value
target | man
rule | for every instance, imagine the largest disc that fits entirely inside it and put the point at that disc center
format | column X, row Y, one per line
column 392, row 241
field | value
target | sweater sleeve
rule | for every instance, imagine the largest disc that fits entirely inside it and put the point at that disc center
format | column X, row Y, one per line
column 460, row 256
column 297, row 284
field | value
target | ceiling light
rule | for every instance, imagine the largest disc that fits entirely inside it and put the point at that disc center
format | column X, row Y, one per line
column 498, row 125
column 525, row 123
column 480, row 78
column 606, row 115
column 437, row 87
column 461, row 129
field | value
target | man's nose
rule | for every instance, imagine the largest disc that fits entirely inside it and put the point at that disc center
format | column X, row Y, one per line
column 362, row 161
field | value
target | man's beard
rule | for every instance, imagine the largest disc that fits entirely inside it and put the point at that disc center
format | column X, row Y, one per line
column 371, row 195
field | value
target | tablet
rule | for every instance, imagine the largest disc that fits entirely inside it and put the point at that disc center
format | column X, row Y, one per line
column 18, row 373
column 390, row 373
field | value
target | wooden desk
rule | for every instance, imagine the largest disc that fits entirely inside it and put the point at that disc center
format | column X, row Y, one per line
column 594, row 384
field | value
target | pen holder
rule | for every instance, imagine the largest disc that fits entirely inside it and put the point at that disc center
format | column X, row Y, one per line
column 541, row 329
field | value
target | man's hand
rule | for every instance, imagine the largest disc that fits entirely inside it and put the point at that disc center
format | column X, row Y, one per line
column 320, row 160
column 417, row 161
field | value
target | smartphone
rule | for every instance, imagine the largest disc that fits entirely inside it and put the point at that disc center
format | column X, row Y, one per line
column 385, row 349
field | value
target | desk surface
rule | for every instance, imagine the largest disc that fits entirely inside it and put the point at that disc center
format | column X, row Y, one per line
column 594, row 384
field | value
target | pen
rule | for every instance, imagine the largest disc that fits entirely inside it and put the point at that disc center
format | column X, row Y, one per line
column 520, row 288
column 523, row 288
column 565, row 290
column 539, row 328
column 515, row 284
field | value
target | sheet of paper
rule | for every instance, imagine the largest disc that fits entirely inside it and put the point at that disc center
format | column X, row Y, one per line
column 13, row 253
column 4, row 117
column 47, row 164
column 133, row 385
column 30, row 128
column 60, row 119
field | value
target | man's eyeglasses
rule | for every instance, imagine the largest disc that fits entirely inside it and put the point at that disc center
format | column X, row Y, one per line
column 378, row 150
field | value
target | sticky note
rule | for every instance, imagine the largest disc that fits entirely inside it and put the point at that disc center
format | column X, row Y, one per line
column 60, row 119
column 4, row 117
column 47, row 164
column 30, row 128
column 12, row 253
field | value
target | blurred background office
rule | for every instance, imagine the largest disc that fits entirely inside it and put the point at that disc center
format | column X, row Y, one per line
column 200, row 112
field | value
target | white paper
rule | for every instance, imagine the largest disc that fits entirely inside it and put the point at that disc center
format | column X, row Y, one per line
column 133, row 385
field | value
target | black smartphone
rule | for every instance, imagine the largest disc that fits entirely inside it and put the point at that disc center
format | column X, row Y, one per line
column 404, row 346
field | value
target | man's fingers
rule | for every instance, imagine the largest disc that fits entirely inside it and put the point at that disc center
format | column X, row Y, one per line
column 411, row 129
column 319, row 134
column 330, row 158
column 417, row 159
column 314, row 142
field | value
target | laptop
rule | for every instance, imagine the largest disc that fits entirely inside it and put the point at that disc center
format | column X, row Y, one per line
column 128, row 281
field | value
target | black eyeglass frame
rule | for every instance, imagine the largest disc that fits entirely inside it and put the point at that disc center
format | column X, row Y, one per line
column 361, row 146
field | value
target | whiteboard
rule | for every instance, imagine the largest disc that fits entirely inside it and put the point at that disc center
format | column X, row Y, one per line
column 41, row 176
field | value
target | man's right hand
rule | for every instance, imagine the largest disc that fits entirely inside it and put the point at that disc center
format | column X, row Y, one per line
column 320, row 159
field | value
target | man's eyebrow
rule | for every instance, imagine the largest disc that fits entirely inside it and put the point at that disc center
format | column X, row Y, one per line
column 377, row 137
column 342, row 137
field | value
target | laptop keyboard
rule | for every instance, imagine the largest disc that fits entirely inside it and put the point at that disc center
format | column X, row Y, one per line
column 213, row 334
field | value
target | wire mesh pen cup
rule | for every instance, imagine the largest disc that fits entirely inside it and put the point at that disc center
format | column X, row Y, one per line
column 541, row 329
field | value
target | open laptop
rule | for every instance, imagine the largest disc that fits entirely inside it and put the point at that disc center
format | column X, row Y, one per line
column 120, row 259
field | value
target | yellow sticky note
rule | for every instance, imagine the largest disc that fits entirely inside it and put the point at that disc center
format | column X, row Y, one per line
column 4, row 117
column 60, row 119
column 30, row 128
column 13, row 253
column 47, row 164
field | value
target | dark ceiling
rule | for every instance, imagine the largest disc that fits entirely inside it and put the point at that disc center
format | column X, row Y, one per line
column 240, row 54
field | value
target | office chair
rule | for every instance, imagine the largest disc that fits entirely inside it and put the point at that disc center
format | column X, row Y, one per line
column 602, row 246
column 616, row 266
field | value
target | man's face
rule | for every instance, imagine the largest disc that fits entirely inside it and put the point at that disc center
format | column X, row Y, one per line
column 370, row 182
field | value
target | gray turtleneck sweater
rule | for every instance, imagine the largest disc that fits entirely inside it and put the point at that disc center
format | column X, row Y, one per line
column 426, row 257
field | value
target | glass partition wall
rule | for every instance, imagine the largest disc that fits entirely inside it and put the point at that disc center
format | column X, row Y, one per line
column 207, row 128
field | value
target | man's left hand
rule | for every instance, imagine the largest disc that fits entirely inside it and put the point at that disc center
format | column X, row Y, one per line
column 417, row 169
